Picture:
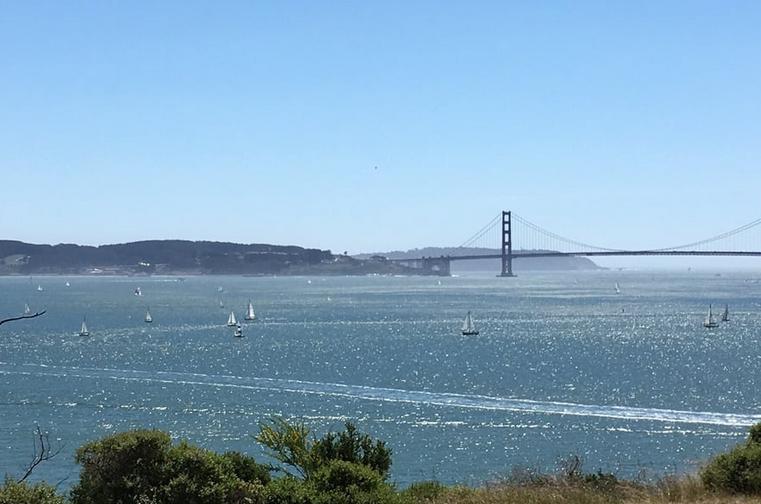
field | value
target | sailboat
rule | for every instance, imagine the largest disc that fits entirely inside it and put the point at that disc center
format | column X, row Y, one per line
column 725, row 314
column 84, row 331
column 468, row 328
column 231, row 320
column 39, row 288
column 618, row 289
column 148, row 318
column 238, row 331
column 68, row 284
column 710, row 322
column 250, row 315
column 221, row 304
column 27, row 310
column 138, row 292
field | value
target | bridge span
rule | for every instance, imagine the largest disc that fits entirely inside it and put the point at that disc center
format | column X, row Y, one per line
column 441, row 265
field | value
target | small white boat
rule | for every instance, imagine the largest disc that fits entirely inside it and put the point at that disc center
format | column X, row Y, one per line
column 725, row 314
column 221, row 304
column 238, row 331
column 148, row 318
column 618, row 289
column 220, row 289
column 84, row 331
column 468, row 327
column 39, row 288
column 138, row 292
column 250, row 315
column 27, row 310
column 709, row 321
column 68, row 284
column 231, row 321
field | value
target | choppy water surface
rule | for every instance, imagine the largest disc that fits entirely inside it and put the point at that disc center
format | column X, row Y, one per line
column 562, row 365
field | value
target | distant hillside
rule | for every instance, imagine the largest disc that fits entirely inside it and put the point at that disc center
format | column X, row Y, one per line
column 156, row 256
column 181, row 257
column 528, row 264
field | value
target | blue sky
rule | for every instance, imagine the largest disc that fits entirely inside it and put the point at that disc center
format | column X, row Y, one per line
column 626, row 124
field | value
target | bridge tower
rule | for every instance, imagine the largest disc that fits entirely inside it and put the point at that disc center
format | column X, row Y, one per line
column 507, row 245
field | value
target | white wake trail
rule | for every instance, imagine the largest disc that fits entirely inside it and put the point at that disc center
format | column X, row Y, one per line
column 389, row 394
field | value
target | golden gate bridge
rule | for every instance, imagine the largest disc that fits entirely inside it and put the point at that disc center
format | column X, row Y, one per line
column 518, row 238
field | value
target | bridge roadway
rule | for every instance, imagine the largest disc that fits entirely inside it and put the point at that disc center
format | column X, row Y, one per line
column 518, row 255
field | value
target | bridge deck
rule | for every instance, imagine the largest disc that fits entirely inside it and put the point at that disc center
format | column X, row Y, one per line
column 519, row 255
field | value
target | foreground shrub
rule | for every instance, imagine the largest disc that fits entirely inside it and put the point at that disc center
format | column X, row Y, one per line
column 12, row 492
column 125, row 467
column 423, row 491
column 739, row 470
column 292, row 445
column 144, row 467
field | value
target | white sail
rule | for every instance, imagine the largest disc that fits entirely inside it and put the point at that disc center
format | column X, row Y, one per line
column 83, row 331
column 618, row 289
column 39, row 288
column 467, row 325
column 725, row 314
column 231, row 320
column 27, row 310
column 250, row 315
column 709, row 320
column 148, row 318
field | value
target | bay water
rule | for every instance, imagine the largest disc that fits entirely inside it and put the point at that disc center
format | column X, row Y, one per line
column 563, row 365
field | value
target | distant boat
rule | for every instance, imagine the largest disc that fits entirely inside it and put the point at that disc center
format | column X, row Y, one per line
column 238, row 331
column 39, row 288
column 468, row 327
column 221, row 304
column 250, row 315
column 220, row 289
column 84, row 331
column 725, row 314
column 138, row 292
column 27, row 310
column 618, row 289
column 68, row 284
column 709, row 321
column 148, row 318
column 231, row 320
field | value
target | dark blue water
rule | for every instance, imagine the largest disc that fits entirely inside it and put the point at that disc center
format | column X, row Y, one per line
column 562, row 365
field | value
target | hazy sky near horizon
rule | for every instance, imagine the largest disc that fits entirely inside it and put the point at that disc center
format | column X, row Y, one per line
column 625, row 124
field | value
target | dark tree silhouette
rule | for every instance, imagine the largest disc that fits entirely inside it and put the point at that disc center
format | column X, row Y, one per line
column 21, row 317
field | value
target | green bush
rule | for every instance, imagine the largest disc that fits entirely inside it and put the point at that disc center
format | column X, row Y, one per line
column 353, row 446
column 291, row 445
column 12, row 492
column 247, row 469
column 423, row 491
column 738, row 471
column 144, row 467
column 126, row 467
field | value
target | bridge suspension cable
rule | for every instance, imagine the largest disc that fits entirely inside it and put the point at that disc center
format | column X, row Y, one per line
column 478, row 235
column 720, row 236
column 554, row 236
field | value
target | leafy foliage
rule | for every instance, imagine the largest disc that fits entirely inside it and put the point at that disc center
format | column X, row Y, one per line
column 739, row 470
column 291, row 444
column 13, row 492
column 353, row 446
column 144, row 467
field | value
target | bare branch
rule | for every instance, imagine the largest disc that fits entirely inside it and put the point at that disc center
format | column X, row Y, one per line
column 42, row 452
column 20, row 317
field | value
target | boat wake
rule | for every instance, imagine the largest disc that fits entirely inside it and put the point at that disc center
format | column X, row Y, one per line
column 465, row 401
